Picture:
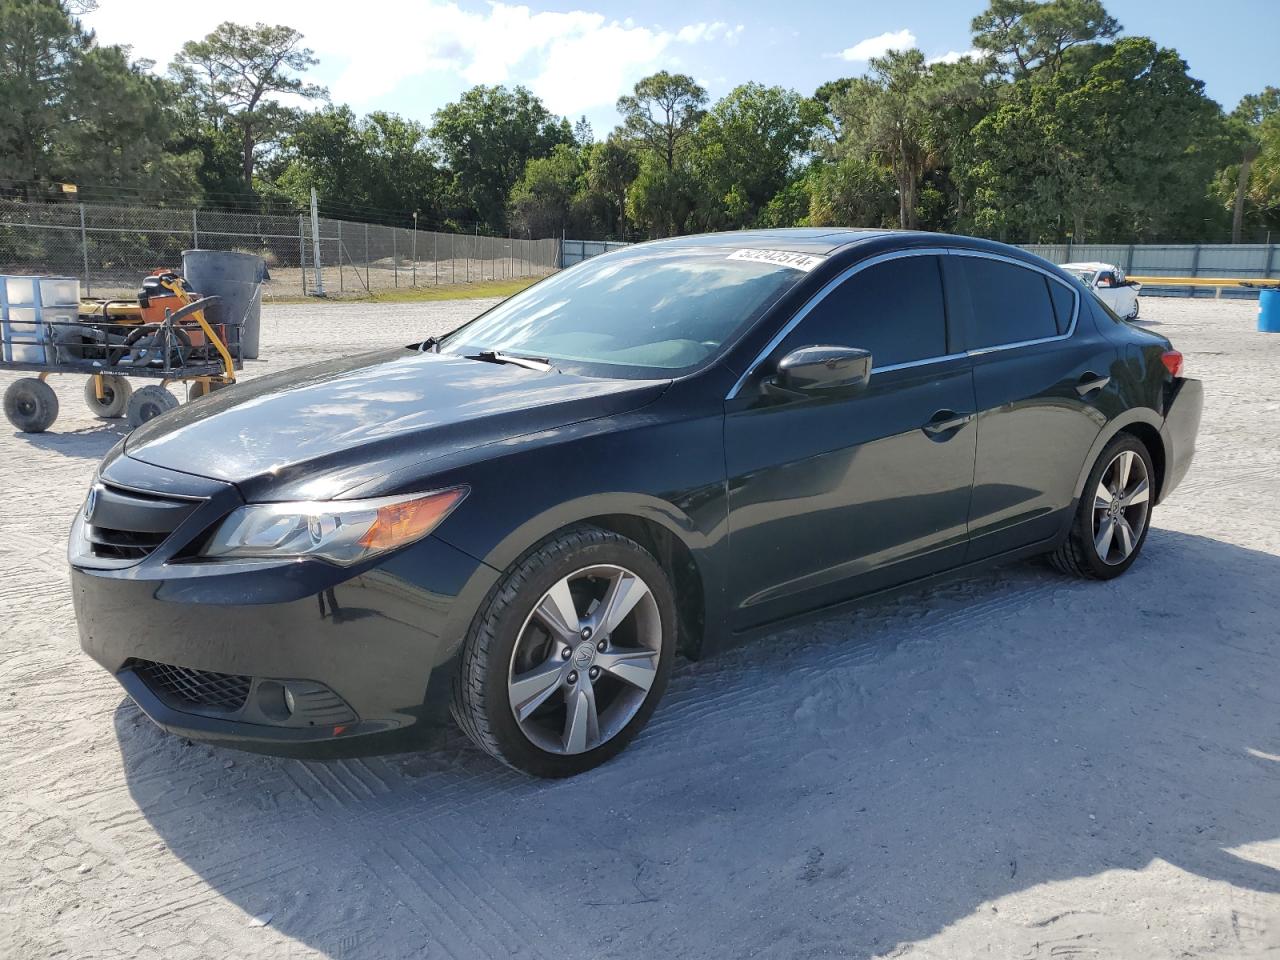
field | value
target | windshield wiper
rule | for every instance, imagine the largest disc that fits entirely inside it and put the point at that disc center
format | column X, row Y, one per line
column 529, row 363
column 429, row 345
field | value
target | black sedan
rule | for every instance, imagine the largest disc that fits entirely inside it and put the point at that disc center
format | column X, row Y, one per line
column 667, row 448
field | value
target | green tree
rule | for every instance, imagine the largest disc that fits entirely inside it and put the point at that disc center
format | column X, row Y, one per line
column 611, row 168
column 235, row 76
column 661, row 201
column 749, row 148
column 74, row 111
column 851, row 192
column 1125, row 149
column 383, row 163
column 1035, row 35
column 888, row 117
column 543, row 202
column 661, row 114
column 1253, row 126
column 485, row 139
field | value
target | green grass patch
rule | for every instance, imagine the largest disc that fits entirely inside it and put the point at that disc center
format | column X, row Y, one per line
column 452, row 291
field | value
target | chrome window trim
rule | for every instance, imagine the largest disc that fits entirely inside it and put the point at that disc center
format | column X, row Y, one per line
column 822, row 294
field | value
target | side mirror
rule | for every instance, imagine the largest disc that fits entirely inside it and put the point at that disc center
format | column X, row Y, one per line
column 821, row 371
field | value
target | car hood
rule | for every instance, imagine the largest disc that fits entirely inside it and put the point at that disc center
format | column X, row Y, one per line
column 316, row 431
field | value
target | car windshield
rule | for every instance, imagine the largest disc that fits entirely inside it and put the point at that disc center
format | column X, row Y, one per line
column 641, row 312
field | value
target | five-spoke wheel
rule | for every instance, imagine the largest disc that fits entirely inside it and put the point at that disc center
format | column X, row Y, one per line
column 1114, row 514
column 586, row 659
column 569, row 654
column 1120, row 504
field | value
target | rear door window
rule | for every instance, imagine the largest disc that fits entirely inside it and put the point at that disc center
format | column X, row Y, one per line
column 1011, row 304
column 894, row 309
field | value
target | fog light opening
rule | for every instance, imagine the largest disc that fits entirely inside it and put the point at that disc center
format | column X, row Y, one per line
column 275, row 701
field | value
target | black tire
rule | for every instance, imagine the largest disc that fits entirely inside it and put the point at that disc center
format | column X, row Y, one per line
column 1078, row 555
column 480, row 691
column 148, row 403
column 116, row 392
column 31, row 405
column 202, row 388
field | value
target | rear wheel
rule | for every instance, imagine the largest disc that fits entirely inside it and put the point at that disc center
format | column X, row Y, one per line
column 1114, row 513
column 31, row 405
column 569, row 654
column 116, row 392
column 148, row 403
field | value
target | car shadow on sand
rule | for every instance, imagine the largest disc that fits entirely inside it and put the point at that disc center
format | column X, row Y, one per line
column 845, row 789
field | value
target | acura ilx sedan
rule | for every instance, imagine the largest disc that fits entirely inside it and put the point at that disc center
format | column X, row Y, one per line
column 667, row 448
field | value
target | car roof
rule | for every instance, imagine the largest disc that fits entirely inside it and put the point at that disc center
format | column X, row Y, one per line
column 814, row 240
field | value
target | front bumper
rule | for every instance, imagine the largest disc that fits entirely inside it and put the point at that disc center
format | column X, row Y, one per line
column 1183, row 407
column 365, row 650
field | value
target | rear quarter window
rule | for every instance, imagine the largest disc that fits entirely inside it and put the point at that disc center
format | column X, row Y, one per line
column 1011, row 304
column 1064, row 304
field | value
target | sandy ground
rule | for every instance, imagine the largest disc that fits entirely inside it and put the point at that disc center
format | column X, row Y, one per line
column 1013, row 765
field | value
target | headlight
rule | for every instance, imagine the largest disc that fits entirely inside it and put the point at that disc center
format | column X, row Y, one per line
column 341, row 531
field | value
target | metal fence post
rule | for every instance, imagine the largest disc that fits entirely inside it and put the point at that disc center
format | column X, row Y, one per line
column 195, row 232
column 395, row 260
column 414, row 252
column 435, row 257
column 1270, row 260
column 84, row 250
column 366, row 259
column 302, row 254
column 340, row 267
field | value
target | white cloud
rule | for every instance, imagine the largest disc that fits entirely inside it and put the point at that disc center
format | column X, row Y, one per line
column 574, row 61
column 953, row 56
column 878, row 46
column 700, row 32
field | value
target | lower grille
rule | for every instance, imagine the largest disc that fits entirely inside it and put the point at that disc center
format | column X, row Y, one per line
column 182, row 686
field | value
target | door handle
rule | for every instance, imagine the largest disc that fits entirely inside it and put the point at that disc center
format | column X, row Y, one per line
column 943, row 422
column 1091, row 382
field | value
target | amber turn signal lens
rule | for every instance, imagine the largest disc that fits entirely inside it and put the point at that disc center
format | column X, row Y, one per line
column 400, row 523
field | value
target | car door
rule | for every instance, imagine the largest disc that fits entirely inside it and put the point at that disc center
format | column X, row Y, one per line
column 832, row 497
column 1040, row 369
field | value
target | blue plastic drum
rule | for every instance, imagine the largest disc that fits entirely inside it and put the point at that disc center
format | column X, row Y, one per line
column 1269, row 311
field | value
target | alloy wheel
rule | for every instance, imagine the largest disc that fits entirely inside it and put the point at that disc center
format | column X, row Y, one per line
column 585, row 660
column 1121, row 504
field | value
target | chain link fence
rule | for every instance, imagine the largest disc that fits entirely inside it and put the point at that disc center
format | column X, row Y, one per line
column 111, row 248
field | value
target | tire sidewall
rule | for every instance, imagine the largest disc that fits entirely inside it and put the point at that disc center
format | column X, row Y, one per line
column 506, row 619
column 1084, row 521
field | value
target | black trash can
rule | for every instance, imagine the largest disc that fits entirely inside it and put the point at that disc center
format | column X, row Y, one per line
column 237, row 279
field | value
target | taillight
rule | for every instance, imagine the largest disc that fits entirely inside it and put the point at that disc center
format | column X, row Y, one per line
column 1172, row 361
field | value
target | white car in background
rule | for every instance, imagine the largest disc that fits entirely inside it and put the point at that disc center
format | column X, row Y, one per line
column 1110, row 285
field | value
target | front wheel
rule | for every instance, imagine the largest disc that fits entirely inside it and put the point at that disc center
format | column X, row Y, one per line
column 31, row 405
column 569, row 654
column 1114, row 514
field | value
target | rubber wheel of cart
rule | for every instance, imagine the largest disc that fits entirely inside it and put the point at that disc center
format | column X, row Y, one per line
column 202, row 388
column 31, row 405
column 148, row 403
column 116, row 392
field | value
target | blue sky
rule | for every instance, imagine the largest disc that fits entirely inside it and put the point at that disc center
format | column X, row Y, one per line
column 413, row 56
